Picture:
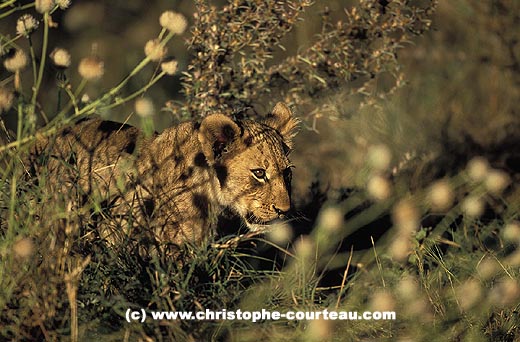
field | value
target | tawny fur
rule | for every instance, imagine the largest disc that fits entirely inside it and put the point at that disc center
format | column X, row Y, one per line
column 176, row 182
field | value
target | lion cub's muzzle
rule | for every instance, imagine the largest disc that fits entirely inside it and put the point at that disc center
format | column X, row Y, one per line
column 281, row 212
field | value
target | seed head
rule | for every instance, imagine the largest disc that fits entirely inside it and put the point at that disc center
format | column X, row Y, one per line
column 408, row 288
column 419, row 309
column 174, row 22
column 154, row 50
column 331, row 219
column 169, row 67
column 496, row 181
column 379, row 157
column 513, row 260
column 406, row 216
column 401, row 247
column 473, row 206
column 16, row 62
column 512, row 232
column 26, row 24
column 441, row 195
column 469, row 293
column 44, row 6
column 505, row 293
column 85, row 98
column 477, row 168
column 61, row 58
column 144, row 107
column 319, row 330
column 91, row 68
column 280, row 233
column 6, row 100
column 304, row 247
column 379, row 188
column 382, row 301
column 63, row 4
column 487, row 268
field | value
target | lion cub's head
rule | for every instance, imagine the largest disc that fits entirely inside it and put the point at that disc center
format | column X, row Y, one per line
column 250, row 159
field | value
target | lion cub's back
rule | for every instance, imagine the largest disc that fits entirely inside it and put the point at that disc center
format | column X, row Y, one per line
column 86, row 152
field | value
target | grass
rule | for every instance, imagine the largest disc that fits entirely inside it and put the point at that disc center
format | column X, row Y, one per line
column 407, row 200
column 456, row 279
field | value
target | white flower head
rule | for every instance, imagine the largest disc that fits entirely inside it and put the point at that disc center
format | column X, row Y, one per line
column 496, row 181
column 379, row 188
column 144, row 107
column 441, row 195
column 169, row 67
column 154, row 50
column 473, row 206
column 6, row 99
column 44, row 6
column 26, row 24
column 63, row 4
column 478, row 169
column 16, row 62
column 280, row 233
column 379, row 157
column 91, row 68
column 60, row 57
column 173, row 21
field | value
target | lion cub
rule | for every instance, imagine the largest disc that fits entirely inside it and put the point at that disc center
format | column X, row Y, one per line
column 176, row 182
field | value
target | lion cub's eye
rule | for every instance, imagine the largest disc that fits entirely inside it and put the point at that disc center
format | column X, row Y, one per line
column 259, row 174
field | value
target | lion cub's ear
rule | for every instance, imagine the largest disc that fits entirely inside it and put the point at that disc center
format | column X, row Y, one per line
column 281, row 118
column 216, row 133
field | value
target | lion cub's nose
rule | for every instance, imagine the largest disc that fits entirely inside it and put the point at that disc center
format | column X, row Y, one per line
column 281, row 210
